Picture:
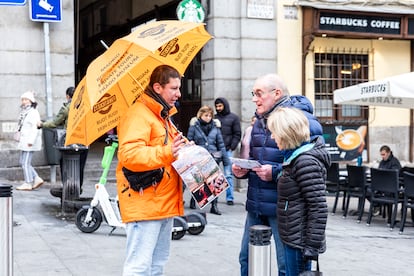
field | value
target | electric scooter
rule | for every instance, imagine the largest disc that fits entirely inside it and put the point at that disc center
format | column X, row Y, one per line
column 89, row 218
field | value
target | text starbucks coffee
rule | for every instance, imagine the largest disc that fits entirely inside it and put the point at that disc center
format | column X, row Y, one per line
column 344, row 22
column 358, row 22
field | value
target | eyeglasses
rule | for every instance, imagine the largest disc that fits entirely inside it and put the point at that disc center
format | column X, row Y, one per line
column 259, row 93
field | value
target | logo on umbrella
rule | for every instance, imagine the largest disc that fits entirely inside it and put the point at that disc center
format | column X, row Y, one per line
column 170, row 48
column 104, row 105
column 152, row 31
column 78, row 100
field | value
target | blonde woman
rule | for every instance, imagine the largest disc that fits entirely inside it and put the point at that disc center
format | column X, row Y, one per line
column 30, row 140
column 301, row 207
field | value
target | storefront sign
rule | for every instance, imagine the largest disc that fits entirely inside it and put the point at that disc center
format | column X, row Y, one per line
column 360, row 24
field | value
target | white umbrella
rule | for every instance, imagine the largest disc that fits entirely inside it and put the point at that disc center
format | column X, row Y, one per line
column 396, row 91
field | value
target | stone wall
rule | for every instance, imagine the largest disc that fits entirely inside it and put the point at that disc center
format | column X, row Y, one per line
column 22, row 56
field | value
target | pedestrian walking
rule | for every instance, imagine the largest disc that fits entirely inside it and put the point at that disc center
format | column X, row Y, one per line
column 205, row 132
column 29, row 140
column 269, row 92
column 302, row 210
column 231, row 131
column 148, row 144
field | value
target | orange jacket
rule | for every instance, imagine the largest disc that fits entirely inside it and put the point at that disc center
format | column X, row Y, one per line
column 141, row 134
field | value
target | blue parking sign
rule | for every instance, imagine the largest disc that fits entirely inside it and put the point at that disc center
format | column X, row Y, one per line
column 12, row 2
column 46, row 10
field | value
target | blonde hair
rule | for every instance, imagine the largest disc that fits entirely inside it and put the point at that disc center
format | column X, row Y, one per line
column 205, row 109
column 290, row 125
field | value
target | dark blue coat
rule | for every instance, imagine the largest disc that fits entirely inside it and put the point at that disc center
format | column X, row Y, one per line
column 262, row 195
column 213, row 142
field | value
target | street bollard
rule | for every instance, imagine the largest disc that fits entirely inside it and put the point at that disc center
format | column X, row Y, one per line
column 259, row 250
column 6, row 233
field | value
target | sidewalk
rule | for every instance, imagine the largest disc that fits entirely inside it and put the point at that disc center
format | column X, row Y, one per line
column 47, row 243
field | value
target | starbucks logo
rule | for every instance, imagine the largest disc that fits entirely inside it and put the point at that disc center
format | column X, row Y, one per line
column 190, row 11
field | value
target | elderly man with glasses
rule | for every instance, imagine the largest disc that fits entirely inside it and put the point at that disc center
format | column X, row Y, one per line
column 269, row 92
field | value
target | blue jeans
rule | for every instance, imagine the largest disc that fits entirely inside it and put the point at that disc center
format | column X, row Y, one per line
column 295, row 263
column 25, row 161
column 252, row 219
column 148, row 247
column 229, row 177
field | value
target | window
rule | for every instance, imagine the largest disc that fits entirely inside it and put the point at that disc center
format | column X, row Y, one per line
column 333, row 71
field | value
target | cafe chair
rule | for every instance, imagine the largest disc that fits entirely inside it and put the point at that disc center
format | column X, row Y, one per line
column 408, row 198
column 385, row 190
column 356, row 187
column 336, row 184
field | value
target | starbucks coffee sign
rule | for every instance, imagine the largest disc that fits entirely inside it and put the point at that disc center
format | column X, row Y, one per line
column 191, row 11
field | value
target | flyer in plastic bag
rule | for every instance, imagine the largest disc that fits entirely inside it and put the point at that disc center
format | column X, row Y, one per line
column 200, row 173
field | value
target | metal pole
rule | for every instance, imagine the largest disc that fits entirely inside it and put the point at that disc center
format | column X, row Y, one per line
column 48, row 80
column 259, row 250
column 49, row 99
column 6, row 233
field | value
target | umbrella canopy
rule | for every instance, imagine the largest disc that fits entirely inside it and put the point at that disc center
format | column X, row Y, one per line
column 115, row 79
column 396, row 91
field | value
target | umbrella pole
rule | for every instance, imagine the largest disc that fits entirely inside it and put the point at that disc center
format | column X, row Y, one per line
column 104, row 44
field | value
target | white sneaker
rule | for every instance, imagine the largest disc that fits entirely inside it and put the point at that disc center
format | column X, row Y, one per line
column 37, row 182
column 24, row 187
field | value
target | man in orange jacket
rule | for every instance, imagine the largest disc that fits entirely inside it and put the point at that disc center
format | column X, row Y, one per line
column 148, row 141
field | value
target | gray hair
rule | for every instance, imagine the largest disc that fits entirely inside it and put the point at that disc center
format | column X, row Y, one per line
column 273, row 81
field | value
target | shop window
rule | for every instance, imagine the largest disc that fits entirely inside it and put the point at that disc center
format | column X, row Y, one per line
column 338, row 70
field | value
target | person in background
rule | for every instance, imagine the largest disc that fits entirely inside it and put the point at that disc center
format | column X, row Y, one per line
column 302, row 210
column 148, row 141
column 61, row 121
column 30, row 141
column 231, row 131
column 269, row 92
column 389, row 161
column 245, row 142
column 205, row 132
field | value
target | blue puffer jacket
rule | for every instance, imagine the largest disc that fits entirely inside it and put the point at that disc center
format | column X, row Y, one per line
column 262, row 195
column 213, row 142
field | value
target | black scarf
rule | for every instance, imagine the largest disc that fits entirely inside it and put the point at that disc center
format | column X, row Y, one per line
column 205, row 127
column 165, row 107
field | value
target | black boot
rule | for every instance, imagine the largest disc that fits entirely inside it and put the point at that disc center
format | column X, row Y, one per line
column 214, row 209
column 192, row 204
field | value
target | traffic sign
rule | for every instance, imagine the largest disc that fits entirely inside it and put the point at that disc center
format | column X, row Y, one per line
column 13, row 2
column 46, row 10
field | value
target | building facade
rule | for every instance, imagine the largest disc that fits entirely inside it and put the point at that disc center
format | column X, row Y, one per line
column 309, row 43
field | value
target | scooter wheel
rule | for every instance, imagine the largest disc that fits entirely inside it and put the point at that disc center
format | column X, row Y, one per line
column 178, row 235
column 196, row 230
column 197, row 219
column 91, row 226
column 179, row 228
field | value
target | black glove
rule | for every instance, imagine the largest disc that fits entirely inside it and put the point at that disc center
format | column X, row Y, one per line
column 310, row 254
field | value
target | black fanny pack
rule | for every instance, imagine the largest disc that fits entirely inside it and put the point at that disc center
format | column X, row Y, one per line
column 139, row 181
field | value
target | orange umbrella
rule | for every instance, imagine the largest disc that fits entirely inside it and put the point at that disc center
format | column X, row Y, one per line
column 115, row 79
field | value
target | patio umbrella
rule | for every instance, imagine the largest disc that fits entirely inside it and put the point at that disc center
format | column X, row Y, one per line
column 396, row 91
column 115, row 79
